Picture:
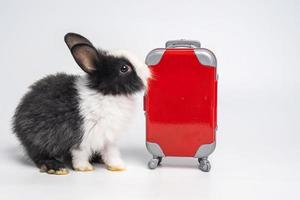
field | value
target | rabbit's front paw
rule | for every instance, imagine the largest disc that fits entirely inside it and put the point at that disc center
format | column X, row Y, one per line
column 116, row 166
column 83, row 167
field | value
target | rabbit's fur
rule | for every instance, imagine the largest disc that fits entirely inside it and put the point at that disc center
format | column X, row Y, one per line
column 66, row 116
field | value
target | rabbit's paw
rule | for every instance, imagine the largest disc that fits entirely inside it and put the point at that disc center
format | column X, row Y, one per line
column 55, row 171
column 119, row 166
column 84, row 168
column 116, row 168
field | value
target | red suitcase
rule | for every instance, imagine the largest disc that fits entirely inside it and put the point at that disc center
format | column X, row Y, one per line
column 181, row 102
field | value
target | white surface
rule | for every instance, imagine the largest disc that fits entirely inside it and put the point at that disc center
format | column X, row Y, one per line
column 257, row 46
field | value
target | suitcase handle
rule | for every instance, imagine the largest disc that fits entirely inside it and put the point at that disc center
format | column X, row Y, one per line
column 183, row 43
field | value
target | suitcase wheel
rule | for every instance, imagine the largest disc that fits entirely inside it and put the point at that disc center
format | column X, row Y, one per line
column 154, row 162
column 204, row 164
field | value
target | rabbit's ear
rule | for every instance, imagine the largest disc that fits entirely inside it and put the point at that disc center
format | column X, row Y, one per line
column 86, row 57
column 73, row 39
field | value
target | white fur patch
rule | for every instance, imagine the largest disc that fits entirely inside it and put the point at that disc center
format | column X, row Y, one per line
column 141, row 68
column 104, row 118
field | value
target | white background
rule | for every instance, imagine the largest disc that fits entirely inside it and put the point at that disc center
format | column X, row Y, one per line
column 257, row 46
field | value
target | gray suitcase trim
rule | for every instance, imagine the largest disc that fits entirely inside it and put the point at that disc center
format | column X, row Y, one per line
column 206, row 57
column 154, row 149
column 205, row 150
column 154, row 57
column 183, row 43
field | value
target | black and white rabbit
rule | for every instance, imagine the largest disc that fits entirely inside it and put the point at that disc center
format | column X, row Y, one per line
column 67, row 116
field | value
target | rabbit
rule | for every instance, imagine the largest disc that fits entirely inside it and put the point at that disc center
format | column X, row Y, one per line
column 71, row 116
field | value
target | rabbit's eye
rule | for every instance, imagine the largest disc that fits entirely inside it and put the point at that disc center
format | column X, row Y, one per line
column 125, row 69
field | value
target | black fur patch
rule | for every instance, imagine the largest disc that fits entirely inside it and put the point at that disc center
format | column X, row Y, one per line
column 107, row 78
column 47, row 120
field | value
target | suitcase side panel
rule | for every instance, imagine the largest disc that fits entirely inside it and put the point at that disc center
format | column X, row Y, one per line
column 173, row 130
column 208, row 58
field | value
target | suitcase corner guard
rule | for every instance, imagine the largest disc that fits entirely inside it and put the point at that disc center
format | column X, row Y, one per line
column 205, row 150
column 206, row 57
column 155, row 149
column 154, row 57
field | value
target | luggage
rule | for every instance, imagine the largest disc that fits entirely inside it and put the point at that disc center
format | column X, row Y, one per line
column 181, row 102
